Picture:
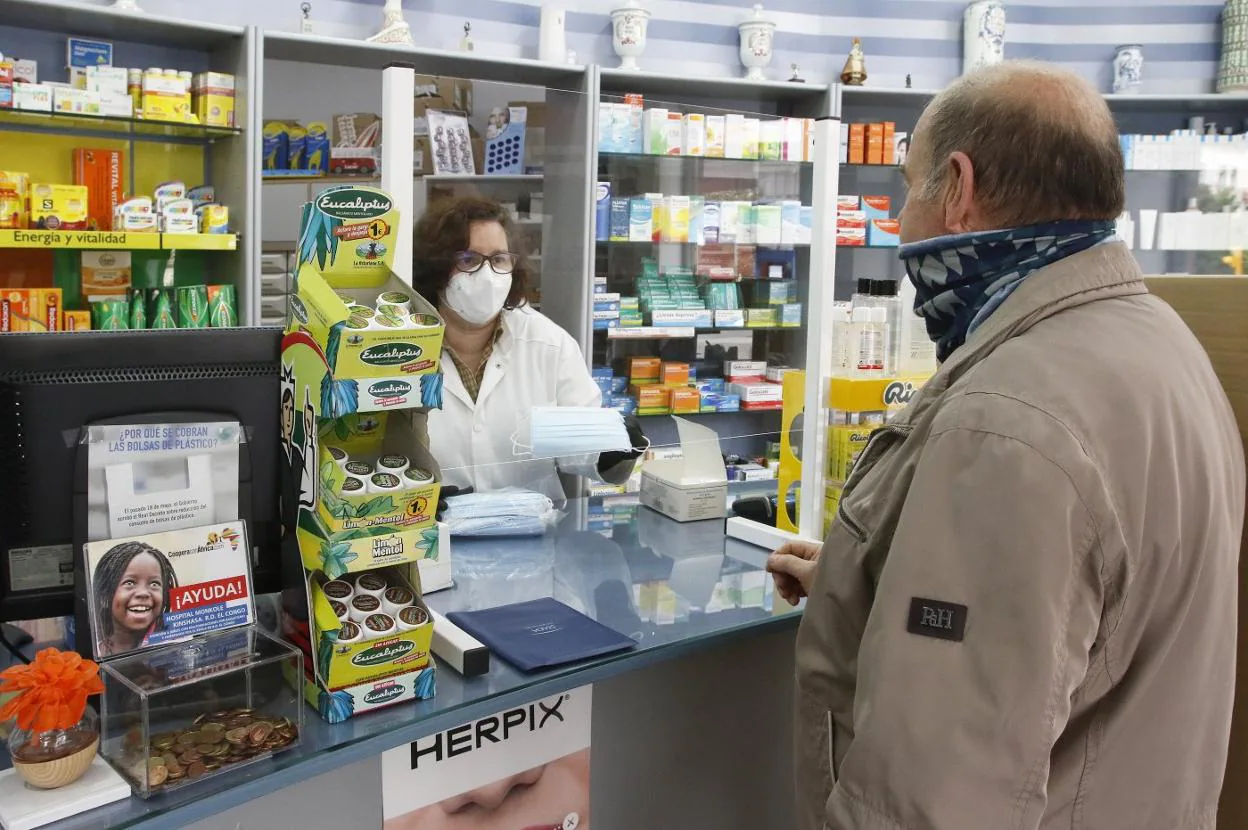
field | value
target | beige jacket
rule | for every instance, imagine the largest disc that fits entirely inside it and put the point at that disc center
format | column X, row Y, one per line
column 1025, row 613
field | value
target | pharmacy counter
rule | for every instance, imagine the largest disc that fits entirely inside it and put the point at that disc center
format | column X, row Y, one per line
column 682, row 591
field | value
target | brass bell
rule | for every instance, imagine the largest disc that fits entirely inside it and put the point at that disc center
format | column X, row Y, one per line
column 855, row 71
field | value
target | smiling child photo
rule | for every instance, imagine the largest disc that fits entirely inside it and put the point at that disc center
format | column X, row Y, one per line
column 131, row 588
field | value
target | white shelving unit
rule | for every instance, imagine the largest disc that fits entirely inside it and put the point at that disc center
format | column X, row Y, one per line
column 804, row 346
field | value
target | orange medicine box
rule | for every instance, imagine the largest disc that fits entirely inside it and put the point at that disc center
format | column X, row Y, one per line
column 686, row 400
column 651, row 398
column 875, row 143
column 890, row 150
column 857, row 143
column 101, row 172
column 30, row 309
column 674, row 374
column 13, row 313
column 77, row 320
column 643, row 369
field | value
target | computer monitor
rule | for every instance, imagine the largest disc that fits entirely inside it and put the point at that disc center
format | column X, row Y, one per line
column 54, row 384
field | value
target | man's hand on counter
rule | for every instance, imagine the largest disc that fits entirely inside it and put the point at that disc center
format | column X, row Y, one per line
column 793, row 567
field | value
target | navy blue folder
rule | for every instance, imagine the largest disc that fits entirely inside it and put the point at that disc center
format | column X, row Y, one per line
column 540, row 633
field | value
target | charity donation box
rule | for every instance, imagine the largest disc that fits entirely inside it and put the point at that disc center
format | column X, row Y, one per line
column 165, row 603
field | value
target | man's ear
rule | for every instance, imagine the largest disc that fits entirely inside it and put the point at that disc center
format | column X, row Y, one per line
column 960, row 194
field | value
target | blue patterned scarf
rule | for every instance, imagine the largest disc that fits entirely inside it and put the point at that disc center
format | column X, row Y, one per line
column 961, row 279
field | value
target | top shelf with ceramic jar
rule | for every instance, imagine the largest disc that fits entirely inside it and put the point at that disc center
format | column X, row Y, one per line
column 754, row 91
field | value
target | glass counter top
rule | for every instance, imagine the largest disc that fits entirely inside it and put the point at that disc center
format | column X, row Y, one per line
column 675, row 588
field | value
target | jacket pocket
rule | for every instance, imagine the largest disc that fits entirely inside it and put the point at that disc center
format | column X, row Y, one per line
column 814, row 763
column 881, row 441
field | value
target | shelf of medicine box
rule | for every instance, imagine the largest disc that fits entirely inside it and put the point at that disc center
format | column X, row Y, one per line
column 485, row 177
column 681, row 87
column 775, row 411
column 1193, row 103
column 96, row 21
column 871, row 96
column 300, row 177
column 478, row 65
column 651, row 242
column 680, row 332
column 891, row 170
column 712, row 161
column 117, row 240
column 112, row 126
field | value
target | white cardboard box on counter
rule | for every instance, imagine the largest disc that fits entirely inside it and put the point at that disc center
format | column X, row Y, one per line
column 693, row 486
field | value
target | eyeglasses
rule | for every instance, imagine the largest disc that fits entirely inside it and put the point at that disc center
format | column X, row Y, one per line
column 471, row 261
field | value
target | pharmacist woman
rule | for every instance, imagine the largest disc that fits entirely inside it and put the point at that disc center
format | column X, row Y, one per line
column 500, row 357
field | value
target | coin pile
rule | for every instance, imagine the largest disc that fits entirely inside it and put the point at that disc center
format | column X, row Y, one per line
column 213, row 741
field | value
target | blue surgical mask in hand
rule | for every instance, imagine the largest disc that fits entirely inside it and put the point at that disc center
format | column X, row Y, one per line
column 560, row 431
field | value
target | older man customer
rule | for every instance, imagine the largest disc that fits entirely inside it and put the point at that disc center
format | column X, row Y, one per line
column 1024, row 614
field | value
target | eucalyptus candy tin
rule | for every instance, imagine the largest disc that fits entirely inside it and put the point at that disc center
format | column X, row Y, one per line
column 416, row 477
column 394, row 298
column 358, row 468
column 395, row 464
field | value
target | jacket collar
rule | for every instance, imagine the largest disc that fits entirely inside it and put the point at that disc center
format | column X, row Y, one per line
column 1107, row 270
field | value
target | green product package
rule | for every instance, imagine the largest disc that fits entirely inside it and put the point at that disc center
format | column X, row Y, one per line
column 160, row 309
column 222, row 306
column 110, row 315
column 137, row 314
column 193, row 307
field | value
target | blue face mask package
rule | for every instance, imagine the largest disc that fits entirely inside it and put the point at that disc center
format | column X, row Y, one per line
column 507, row 512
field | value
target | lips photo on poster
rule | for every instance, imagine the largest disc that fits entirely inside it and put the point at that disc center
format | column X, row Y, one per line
column 167, row 587
column 525, row 768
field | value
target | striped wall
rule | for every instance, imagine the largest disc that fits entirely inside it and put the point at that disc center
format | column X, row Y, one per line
column 921, row 38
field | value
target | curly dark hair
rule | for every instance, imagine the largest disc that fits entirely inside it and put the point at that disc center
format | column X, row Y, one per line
column 443, row 232
column 108, row 576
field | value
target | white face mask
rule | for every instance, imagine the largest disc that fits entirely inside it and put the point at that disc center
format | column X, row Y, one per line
column 478, row 297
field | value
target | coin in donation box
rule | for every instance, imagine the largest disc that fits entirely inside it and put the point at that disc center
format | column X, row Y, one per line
column 215, row 740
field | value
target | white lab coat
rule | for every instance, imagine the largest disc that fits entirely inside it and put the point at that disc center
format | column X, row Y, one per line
column 534, row 363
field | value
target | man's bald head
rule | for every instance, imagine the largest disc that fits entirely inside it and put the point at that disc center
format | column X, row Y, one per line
column 1041, row 141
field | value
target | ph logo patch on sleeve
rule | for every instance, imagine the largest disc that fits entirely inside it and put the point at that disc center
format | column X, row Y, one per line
column 933, row 618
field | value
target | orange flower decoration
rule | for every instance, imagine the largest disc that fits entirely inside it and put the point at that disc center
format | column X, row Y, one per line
column 52, row 690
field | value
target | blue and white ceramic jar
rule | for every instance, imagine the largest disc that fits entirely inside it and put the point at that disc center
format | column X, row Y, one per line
column 1128, row 68
column 983, row 34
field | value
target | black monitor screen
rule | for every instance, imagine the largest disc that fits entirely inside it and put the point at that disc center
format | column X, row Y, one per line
column 53, row 384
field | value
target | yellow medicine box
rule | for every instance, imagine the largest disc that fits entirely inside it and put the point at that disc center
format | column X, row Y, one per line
column 58, row 207
column 214, row 99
